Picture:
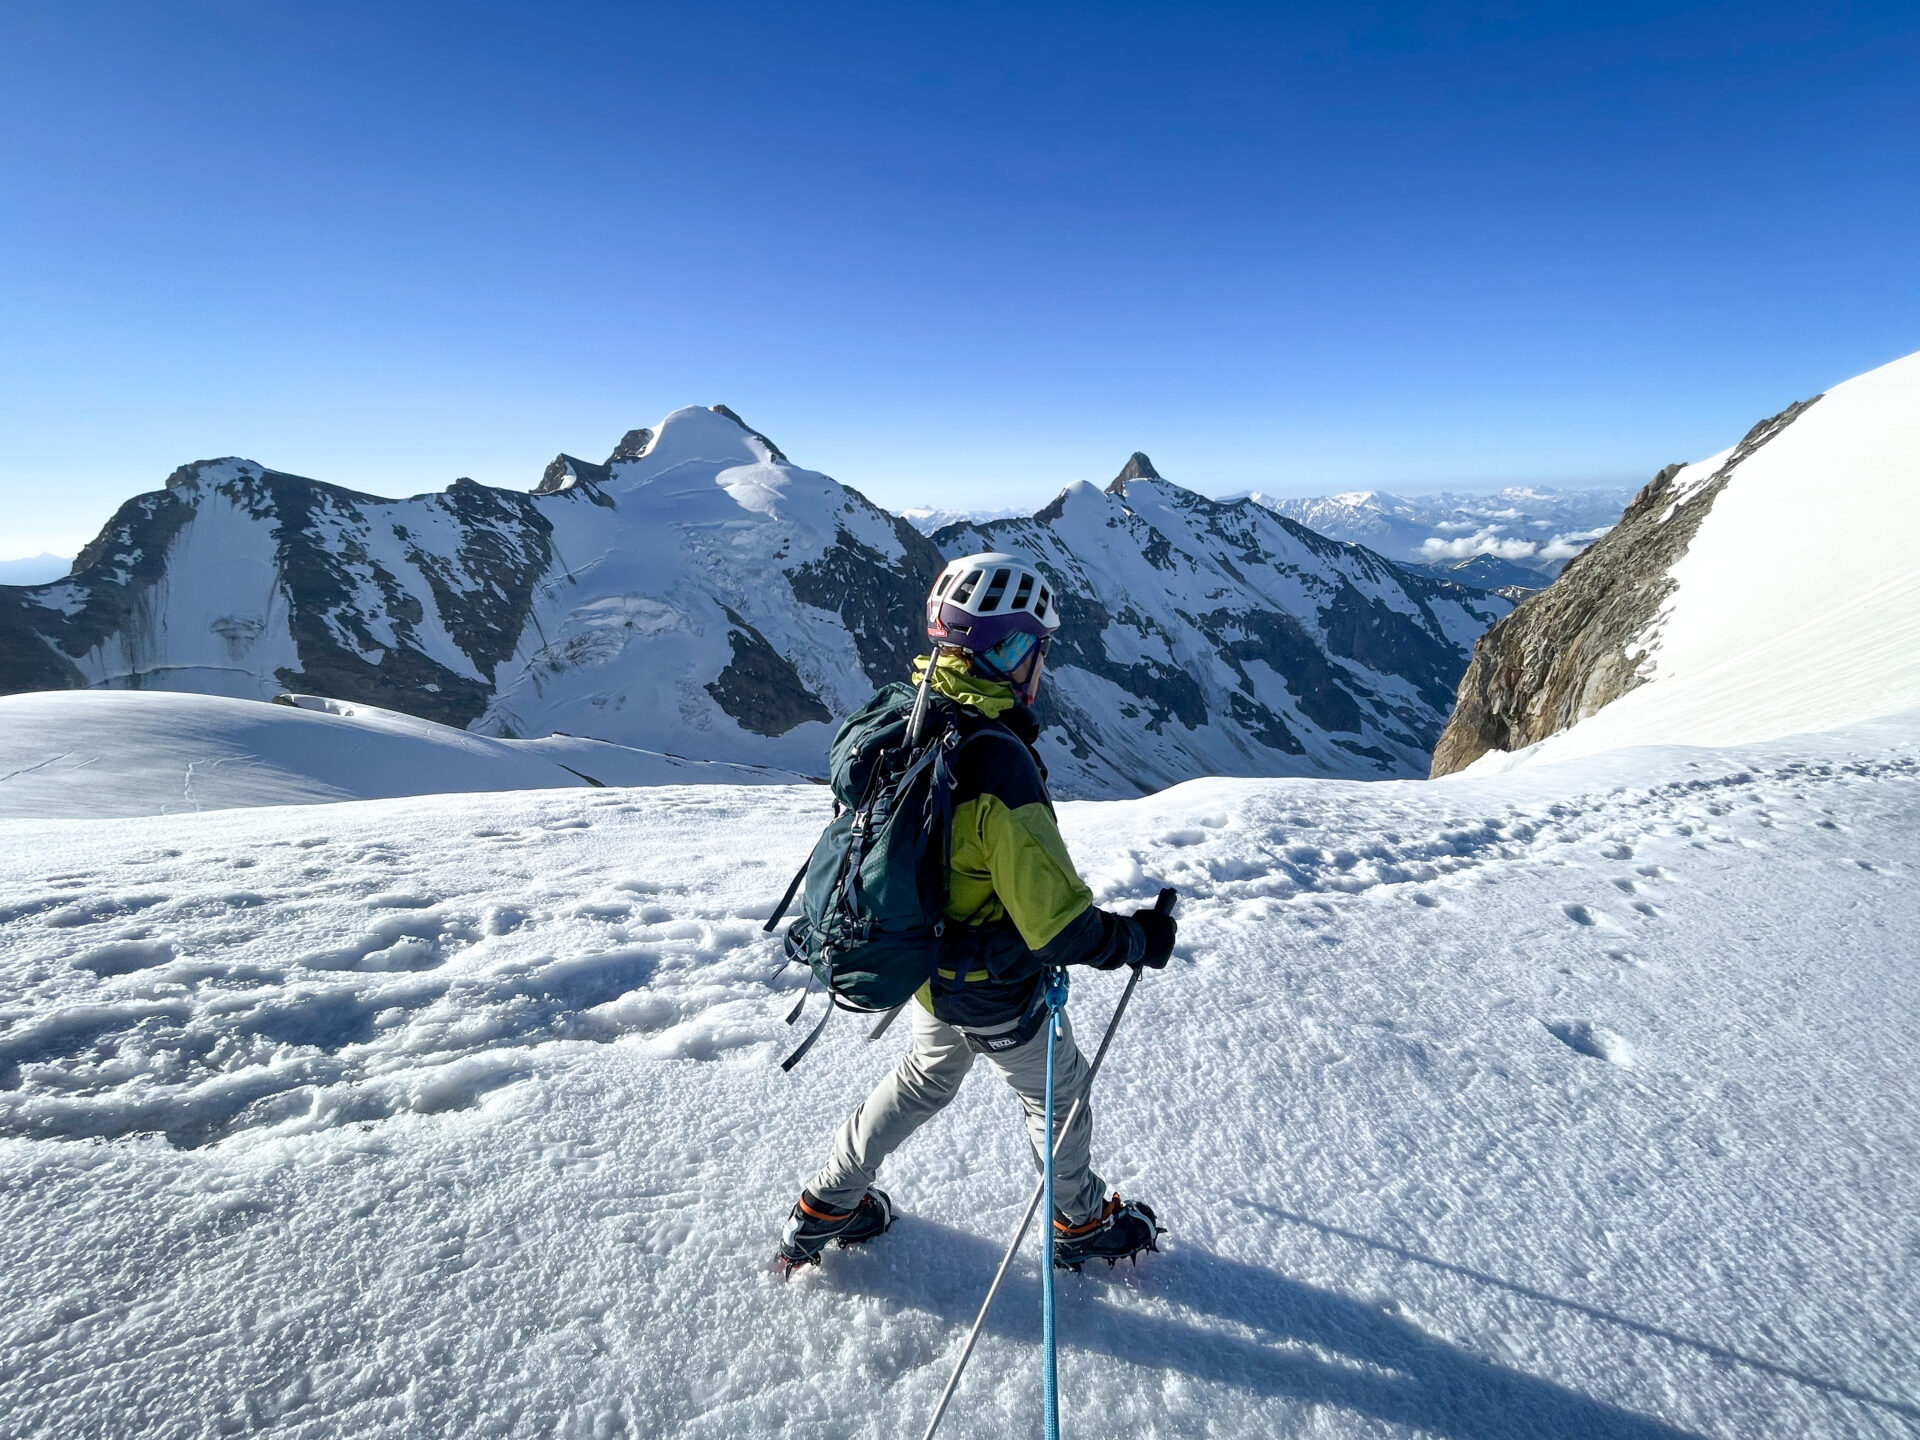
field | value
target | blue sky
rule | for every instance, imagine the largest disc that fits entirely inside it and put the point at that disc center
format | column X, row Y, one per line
column 952, row 254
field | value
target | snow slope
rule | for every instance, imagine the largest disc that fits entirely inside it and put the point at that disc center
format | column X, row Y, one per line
column 87, row 754
column 1576, row 1102
column 929, row 518
column 1797, row 604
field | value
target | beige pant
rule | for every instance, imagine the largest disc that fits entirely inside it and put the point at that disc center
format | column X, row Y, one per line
column 930, row 1075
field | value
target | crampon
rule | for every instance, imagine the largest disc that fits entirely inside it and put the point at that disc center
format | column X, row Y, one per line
column 812, row 1225
column 1121, row 1231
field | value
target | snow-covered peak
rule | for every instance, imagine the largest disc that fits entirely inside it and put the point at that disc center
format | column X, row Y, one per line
column 201, row 473
column 693, row 435
column 1211, row 637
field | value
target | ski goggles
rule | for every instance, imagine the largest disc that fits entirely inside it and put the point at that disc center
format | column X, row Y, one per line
column 1018, row 660
column 1006, row 658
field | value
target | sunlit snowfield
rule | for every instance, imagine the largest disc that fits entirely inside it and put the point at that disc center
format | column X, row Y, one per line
column 1579, row 1101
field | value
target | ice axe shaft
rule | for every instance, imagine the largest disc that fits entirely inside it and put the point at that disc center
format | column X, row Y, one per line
column 1163, row 906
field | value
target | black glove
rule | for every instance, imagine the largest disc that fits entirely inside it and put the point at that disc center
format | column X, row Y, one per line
column 1159, row 930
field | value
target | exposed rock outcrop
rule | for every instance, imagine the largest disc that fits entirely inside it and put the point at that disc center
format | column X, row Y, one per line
column 1138, row 467
column 1575, row 646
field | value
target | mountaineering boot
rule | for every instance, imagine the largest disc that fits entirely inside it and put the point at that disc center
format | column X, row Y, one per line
column 1119, row 1232
column 810, row 1225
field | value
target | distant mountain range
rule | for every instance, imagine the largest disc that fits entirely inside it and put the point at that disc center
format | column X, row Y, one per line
column 34, row 569
column 1517, row 539
column 1206, row 637
column 697, row 593
column 1522, row 535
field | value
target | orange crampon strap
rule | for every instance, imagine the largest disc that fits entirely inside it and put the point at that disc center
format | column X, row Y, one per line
column 1106, row 1213
column 821, row 1213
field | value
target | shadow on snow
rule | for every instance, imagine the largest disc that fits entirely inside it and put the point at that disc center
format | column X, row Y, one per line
column 1314, row 1346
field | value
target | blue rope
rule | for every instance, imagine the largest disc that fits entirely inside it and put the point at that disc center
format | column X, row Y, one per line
column 1050, row 1378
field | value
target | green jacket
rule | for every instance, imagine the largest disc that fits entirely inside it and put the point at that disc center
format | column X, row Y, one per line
column 1015, row 904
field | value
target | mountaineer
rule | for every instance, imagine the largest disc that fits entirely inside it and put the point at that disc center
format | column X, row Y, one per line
column 1015, row 908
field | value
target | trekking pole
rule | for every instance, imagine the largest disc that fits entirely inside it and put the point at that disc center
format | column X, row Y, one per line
column 1049, row 1366
column 1164, row 906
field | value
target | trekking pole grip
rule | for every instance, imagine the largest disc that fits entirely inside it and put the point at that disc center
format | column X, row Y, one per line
column 1164, row 905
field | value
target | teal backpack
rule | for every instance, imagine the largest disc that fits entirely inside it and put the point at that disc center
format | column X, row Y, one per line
column 873, row 891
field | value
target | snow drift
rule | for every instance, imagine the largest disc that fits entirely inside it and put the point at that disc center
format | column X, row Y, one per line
column 96, row 753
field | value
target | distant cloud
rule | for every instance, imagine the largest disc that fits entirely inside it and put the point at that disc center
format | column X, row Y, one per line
column 1493, row 541
column 1487, row 542
column 1565, row 547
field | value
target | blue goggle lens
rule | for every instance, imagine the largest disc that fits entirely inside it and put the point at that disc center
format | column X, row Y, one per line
column 1011, row 653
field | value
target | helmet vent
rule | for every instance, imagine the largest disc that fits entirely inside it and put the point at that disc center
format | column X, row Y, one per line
column 1023, row 593
column 996, row 591
column 966, row 587
column 945, row 581
column 1041, row 605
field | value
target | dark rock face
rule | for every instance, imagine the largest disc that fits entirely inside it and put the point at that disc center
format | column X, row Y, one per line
column 40, row 641
column 1138, row 467
column 563, row 468
column 880, row 602
column 1564, row 652
column 632, row 446
column 761, row 689
column 1166, row 693
column 1282, row 642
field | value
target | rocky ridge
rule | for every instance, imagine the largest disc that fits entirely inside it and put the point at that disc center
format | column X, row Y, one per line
column 1582, row 642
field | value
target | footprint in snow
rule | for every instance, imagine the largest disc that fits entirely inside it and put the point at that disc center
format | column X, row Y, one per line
column 107, row 908
column 1579, row 914
column 1597, row 1042
column 1625, row 886
column 505, row 919
column 1649, row 909
column 124, row 957
column 607, row 912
